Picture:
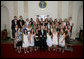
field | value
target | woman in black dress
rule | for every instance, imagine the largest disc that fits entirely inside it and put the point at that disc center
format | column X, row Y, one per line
column 41, row 23
column 36, row 38
column 46, row 22
column 66, row 36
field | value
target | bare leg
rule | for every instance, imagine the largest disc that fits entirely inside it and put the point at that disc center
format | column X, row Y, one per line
column 66, row 45
column 59, row 49
column 53, row 47
column 48, row 49
column 56, row 47
column 30, row 49
column 62, row 50
column 20, row 48
column 35, row 48
column 27, row 50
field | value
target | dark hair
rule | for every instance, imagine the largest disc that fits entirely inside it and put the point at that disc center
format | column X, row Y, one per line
column 31, row 31
column 20, row 16
column 49, row 32
column 18, row 29
column 15, row 16
column 24, row 31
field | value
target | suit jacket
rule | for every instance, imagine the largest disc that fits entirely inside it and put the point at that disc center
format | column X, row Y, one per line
column 44, row 34
column 22, row 21
column 13, row 24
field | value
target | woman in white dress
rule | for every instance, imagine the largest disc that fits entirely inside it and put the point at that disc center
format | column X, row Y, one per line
column 62, row 40
column 25, row 41
column 27, row 22
column 29, row 28
column 55, row 39
column 31, row 39
column 49, row 40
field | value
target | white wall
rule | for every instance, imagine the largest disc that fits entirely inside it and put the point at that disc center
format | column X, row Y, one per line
column 76, row 7
column 33, row 9
column 65, row 5
column 51, row 9
column 9, row 16
column 20, row 8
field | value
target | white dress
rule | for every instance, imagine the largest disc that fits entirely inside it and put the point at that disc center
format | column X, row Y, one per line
column 32, row 40
column 62, row 44
column 49, row 40
column 55, row 39
column 28, row 30
column 25, row 40
column 64, row 23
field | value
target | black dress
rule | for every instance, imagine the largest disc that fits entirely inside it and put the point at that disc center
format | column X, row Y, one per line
column 41, row 24
column 67, row 37
column 37, row 40
column 46, row 24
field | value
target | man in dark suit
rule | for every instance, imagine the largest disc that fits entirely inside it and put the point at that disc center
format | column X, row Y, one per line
column 42, row 35
column 21, row 20
column 14, row 23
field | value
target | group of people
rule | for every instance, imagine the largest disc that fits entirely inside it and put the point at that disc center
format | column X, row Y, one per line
column 33, row 35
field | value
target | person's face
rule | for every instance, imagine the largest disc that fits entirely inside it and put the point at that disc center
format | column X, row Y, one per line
column 61, row 30
column 37, row 19
column 36, row 30
column 29, row 22
column 27, row 19
column 54, row 30
column 23, row 26
column 51, row 26
column 21, row 17
column 41, row 19
column 65, row 20
column 70, row 19
column 32, row 30
column 15, row 18
column 25, row 31
column 60, row 19
column 19, row 30
column 16, row 26
column 41, row 27
column 48, row 31
column 31, row 19
column 66, row 27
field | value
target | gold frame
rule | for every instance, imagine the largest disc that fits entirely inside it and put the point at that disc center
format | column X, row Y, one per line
column 42, row 8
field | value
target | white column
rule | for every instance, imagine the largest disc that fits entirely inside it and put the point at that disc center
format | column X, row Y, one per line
column 21, row 8
column 59, row 9
column 25, row 10
column 76, row 6
column 65, row 9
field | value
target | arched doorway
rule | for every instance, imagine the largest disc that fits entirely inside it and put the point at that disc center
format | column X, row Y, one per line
column 5, row 22
column 80, row 20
